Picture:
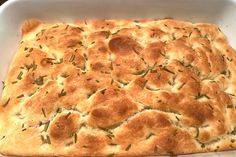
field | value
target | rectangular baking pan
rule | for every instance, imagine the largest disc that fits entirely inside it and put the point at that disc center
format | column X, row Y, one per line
column 14, row 12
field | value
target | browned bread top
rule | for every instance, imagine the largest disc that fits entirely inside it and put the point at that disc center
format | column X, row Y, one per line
column 119, row 87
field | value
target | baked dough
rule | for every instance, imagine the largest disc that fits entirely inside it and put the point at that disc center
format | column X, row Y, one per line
column 119, row 88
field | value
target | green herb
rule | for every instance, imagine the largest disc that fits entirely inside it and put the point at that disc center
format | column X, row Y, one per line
column 163, row 54
column 229, row 59
column 234, row 131
column 19, row 77
column 32, row 66
column 150, row 135
column 90, row 94
column 75, row 137
column 59, row 110
column 6, row 103
column 84, row 146
column 55, row 26
column 64, row 75
column 80, row 43
column 135, row 50
column 203, row 145
column 46, row 125
column 181, row 86
column 232, row 140
column 67, row 115
column 70, row 143
column 123, row 82
column 136, row 21
column 197, row 134
column 128, row 147
column 72, row 58
column 20, row 96
column 116, row 32
column 46, row 141
column 85, row 56
column 174, row 38
column 229, row 74
column 31, row 49
column 3, row 85
column 44, row 114
column 190, row 34
column 66, row 27
column 189, row 66
column 40, row 46
column 2, row 137
column 80, row 29
column 177, row 118
column 62, row 93
column 110, row 135
column 167, row 70
column 39, row 81
column 24, row 129
column 26, row 48
column 14, row 82
column 30, row 94
column 199, row 96
column 103, row 91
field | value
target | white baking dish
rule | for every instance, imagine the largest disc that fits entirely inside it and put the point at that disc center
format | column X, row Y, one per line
column 14, row 12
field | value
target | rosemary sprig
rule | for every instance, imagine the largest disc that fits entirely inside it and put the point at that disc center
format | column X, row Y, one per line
column 44, row 113
column 150, row 135
column 3, row 85
column 62, row 93
column 75, row 137
column 14, row 82
column 20, row 96
column 128, row 147
column 32, row 66
column 45, row 140
column 46, row 125
column 19, row 76
column 68, row 114
column 72, row 58
column 39, row 81
column 7, row 102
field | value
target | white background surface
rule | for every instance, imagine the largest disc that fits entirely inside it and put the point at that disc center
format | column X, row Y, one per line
column 14, row 12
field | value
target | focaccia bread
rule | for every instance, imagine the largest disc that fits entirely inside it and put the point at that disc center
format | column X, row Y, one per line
column 119, row 88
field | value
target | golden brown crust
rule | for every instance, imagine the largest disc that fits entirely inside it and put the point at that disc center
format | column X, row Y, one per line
column 119, row 88
column 29, row 26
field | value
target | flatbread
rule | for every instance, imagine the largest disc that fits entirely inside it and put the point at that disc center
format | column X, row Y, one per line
column 119, row 88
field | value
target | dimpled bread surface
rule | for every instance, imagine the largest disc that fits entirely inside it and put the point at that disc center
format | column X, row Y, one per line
column 119, row 88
